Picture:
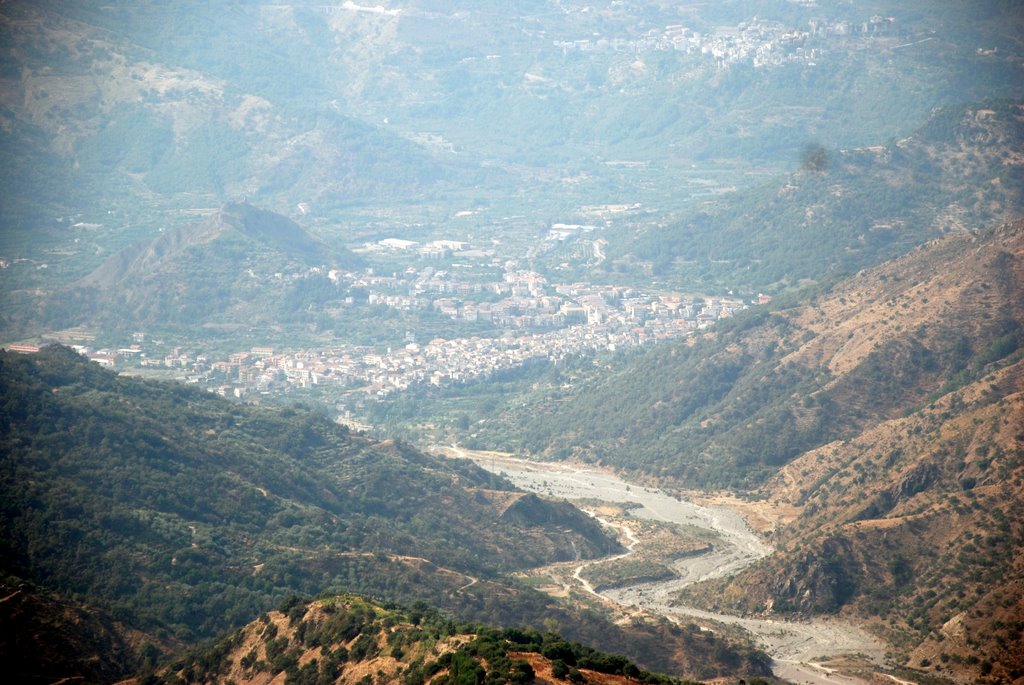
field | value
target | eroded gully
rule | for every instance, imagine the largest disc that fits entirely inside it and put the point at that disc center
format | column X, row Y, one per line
column 795, row 646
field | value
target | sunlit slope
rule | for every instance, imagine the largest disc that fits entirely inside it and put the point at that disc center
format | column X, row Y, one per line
column 884, row 412
column 845, row 210
column 348, row 638
column 735, row 404
column 918, row 522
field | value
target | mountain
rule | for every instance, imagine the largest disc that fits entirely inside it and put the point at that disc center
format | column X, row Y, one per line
column 130, row 121
column 230, row 265
column 884, row 416
column 140, row 517
column 412, row 102
column 352, row 639
column 395, row 122
column 849, row 209
column 186, row 512
column 917, row 523
column 731, row 406
column 264, row 231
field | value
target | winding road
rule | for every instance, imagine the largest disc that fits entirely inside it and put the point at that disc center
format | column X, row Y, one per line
column 796, row 647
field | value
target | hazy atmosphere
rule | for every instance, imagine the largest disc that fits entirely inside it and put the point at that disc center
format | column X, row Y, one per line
column 466, row 343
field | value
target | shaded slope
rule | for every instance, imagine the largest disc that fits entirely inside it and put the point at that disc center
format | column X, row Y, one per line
column 189, row 514
column 47, row 639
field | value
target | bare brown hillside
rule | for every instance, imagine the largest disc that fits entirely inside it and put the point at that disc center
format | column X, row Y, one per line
column 348, row 639
column 915, row 521
column 893, row 336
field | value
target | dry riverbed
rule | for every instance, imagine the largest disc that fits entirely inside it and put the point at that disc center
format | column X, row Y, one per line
column 818, row 651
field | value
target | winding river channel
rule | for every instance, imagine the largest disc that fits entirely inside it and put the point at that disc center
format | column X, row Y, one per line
column 796, row 647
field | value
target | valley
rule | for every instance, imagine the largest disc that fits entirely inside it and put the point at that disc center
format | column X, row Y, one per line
column 798, row 646
column 539, row 327
column 168, row 516
column 724, row 300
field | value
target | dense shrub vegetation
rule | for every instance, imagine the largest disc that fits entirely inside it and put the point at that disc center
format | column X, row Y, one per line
column 187, row 514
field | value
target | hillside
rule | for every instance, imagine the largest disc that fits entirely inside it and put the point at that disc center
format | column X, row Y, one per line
column 233, row 265
column 145, row 516
column 917, row 524
column 885, row 412
column 45, row 637
column 348, row 639
column 266, row 230
column 730, row 407
column 187, row 513
column 848, row 209
column 138, row 124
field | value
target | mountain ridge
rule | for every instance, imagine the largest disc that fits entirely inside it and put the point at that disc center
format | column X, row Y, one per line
column 232, row 263
column 737, row 402
column 349, row 638
column 885, row 415
column 265, row 229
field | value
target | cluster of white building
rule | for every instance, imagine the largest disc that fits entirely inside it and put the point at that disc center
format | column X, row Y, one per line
column 524, row 300
column 600, row 318
column 758, row 42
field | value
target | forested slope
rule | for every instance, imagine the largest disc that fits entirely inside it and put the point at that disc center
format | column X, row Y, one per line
column 845, row 210
column 186, row 514
column 140, row 517
column 733, row 405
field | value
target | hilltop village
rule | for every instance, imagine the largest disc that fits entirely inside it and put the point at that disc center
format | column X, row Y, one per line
column 758, row 42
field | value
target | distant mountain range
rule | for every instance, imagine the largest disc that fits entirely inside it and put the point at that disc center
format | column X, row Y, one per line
column 125, row 118
column 122, row 106
column 122, row 122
